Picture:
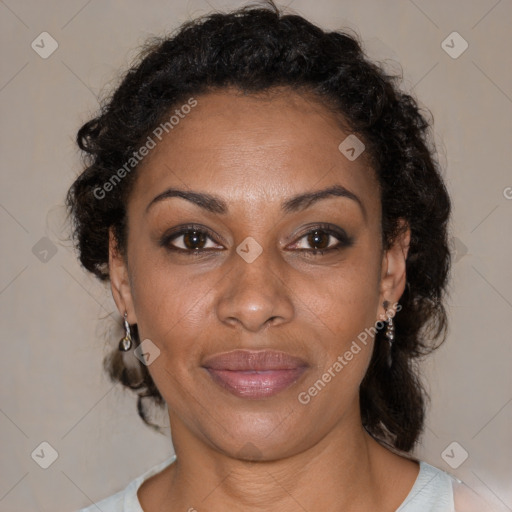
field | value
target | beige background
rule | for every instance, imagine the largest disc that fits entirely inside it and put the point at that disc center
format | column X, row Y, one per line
column 52, row 385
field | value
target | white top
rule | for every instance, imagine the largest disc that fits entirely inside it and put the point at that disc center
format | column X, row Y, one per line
column 433, row 491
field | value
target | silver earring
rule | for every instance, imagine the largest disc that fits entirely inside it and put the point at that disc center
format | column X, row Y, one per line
column 126, row 343
column 390, row 333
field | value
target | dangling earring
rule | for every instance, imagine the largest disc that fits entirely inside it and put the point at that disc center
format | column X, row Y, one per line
column 390, row 333
column 126, row 343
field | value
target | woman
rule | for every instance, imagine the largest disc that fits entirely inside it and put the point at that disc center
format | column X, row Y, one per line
column 271, row 218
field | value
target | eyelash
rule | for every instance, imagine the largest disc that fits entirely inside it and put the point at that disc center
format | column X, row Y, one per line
column 344, row 240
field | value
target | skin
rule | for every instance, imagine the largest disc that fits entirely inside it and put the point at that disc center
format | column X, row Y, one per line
column 274, row 453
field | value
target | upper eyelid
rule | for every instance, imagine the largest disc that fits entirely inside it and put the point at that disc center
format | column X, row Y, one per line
column 182, row 232
column 341, row 237
column 187, row 229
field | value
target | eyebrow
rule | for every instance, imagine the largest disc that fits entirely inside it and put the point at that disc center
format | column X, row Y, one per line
column 296, row 203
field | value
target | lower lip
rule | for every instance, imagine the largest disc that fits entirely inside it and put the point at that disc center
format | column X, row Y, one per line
column 256, row 384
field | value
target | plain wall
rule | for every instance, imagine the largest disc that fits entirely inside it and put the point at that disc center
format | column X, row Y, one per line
column 56, row 323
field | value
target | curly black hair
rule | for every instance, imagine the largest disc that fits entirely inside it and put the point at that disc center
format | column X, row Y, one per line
column 254, row 49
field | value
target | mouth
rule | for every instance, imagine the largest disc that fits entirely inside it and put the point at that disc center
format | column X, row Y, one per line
column 255, row 374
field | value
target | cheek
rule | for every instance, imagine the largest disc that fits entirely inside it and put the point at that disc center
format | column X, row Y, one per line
column 344, row 312
column 343, row 315
column 175, row 307
column 167, row 302
column 345, row 298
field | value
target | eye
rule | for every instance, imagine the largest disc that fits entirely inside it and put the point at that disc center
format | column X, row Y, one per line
column 321, row 239
column 195, row 240
column 190, row 239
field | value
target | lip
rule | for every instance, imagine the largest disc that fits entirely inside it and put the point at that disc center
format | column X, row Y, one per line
column 255, row 374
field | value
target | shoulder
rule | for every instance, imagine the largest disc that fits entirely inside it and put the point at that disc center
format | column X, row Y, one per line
column 127, row 500
column 436, row 490
column 432, row 491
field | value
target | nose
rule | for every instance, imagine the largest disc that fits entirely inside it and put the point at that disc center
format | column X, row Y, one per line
column 255, row 295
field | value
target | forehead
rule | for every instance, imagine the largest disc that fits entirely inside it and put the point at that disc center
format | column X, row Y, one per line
column 258, row 148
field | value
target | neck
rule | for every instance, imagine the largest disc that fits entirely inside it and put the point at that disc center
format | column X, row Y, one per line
column 341, row 472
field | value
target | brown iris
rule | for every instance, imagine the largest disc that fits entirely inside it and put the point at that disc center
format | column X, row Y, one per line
column 194, row 238
column 318, row 239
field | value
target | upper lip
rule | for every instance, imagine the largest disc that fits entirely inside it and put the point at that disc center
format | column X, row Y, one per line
column 247, row 360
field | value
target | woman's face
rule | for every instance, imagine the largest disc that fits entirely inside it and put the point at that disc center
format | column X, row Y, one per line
column 245, row 275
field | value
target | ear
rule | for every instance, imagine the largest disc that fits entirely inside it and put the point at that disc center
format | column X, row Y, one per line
column 119, row 280
column 393, row 270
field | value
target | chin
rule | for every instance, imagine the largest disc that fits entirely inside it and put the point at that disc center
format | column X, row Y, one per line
column 264, row 435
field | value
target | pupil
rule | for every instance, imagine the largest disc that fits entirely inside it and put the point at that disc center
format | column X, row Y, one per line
column 193, row 238
column 318, row 239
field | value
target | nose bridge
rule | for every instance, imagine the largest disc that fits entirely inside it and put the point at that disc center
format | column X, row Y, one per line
column 255, row 292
